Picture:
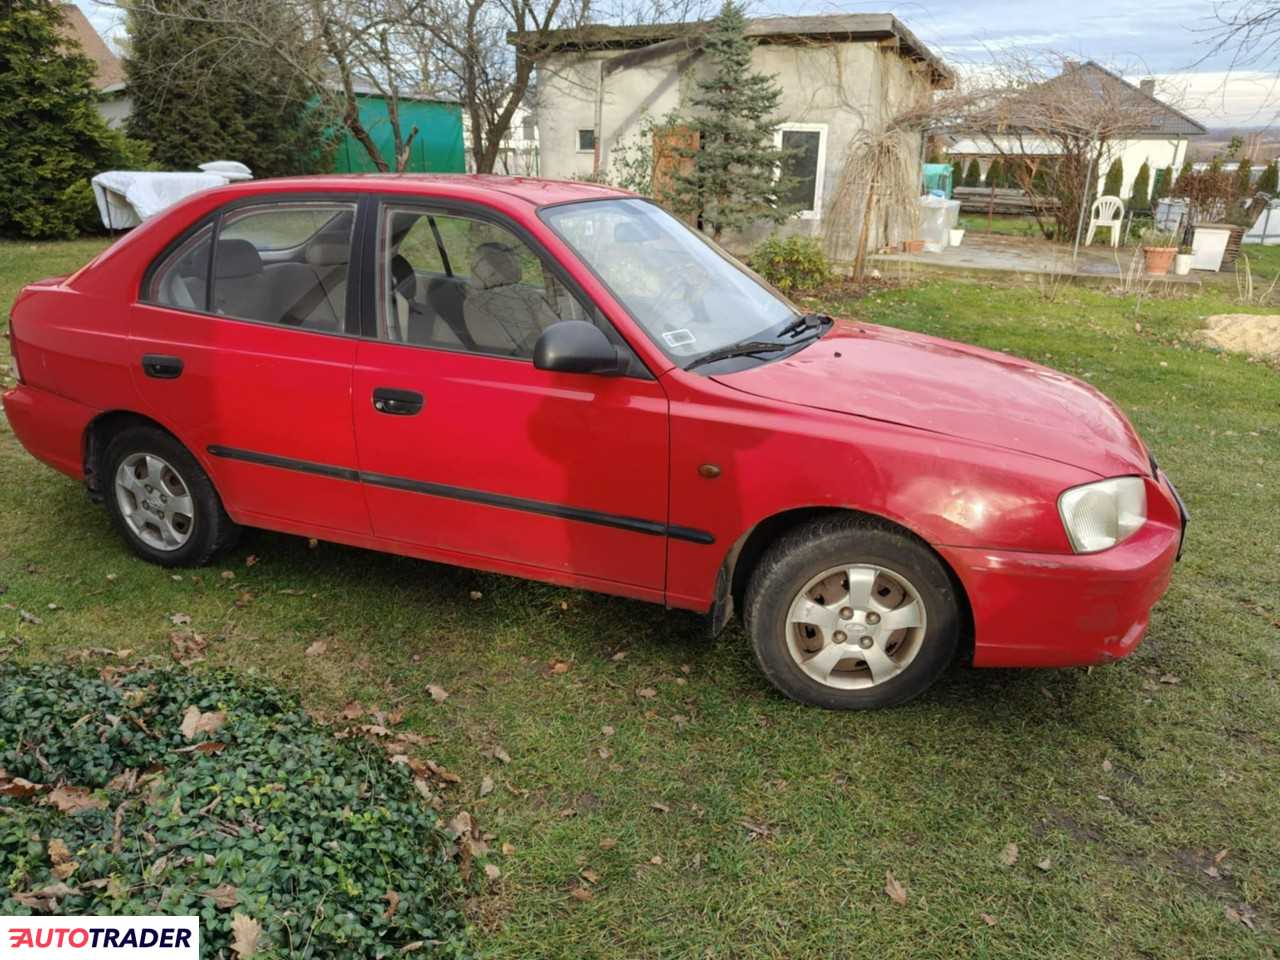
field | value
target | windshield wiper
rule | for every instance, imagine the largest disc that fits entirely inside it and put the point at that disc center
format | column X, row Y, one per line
column 744, row 349
column 801, row 324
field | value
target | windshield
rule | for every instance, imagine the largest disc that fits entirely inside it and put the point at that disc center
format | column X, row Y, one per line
column 690, row 297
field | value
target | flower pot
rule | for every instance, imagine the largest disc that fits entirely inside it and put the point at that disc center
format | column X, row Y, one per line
column 1182, row 264
column 957, row 234
column 1159, row 259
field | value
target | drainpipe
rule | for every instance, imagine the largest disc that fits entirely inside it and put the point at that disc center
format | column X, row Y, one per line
column 595, row 162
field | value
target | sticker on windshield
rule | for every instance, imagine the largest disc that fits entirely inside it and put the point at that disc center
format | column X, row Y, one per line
column 679, row 338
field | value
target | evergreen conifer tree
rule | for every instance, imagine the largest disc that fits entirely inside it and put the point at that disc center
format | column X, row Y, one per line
column 1269, row 182
column 734, row 179
column 973, row 175
column 1114, row 183
column 1140, row 198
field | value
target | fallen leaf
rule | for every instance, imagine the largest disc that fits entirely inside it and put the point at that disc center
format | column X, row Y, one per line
column 1009, row 855
column 608, row 843
column 195, row 721
column 1044, row 864
column 1220, row 856
column 581, row 894
column 648, row 693
column 559, row 666
column 477, row 595
column 317, row 649
column 660, row 807
column 27, row 617
column 187, row 647
column 988, row 919
column 501, row 755
column 590, row 875
column 180, row 619
column 619, row 656
column 607, row 730
column 1169, row 678
column 228, row 575
column 1106, row 766
column 250, row 560
column 224, row 897
column 656, row 860
column 18, row 787
column 353, row 710
column 486, row 786
column 605, row 753
column 73, row 800
column 438, row 694
column 312, row 543
column 58, row 851
column 896, row 891
column 393, row 904
column 492, row 872
column 245, row 934
column 1239, row 917
column 508, row 848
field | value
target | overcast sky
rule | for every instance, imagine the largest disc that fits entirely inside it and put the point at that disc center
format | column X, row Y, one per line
column 1164, row 38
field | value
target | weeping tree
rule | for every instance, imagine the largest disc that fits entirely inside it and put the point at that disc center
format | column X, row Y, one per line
column 732, row 180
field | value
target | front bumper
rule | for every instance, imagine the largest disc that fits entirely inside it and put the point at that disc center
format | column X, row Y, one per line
column 1068, row 610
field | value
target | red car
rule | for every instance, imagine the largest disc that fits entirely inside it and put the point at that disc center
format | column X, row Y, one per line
column 563, row 382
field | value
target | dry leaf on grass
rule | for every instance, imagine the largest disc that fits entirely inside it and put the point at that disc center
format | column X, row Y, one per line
column 60, row 857
column 647, row 693
column 438, row 694
column 492, row 872
column 18, row 786
column 1045, row 865
column 1009, row 855
column 559, row 666
column 354, row 710
column 224, row 897
column 988, row 919
column 500, row 755
column 317, row 649
column 590, row 875
column 486, row 786
column 660, row 807
column 508, row 848
column 607, row 730
column 245, row 934
column 608, row 843
column 1107, row 766
column 896, row 891
column 180, row 619
column 73, row 800
column 393, row 904
column 581, row 894
column 186, row 647
column 195, row 721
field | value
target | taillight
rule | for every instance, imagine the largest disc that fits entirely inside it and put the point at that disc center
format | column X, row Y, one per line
column 13, row 358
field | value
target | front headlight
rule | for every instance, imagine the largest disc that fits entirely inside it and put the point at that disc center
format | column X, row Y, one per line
column 1100, row 515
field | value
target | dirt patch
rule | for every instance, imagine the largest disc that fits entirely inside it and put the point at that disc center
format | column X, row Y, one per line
column 1255, row 334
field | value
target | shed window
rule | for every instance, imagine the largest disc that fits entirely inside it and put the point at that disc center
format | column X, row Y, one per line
column 528, row 128
column 802, row 168
column 586, row 141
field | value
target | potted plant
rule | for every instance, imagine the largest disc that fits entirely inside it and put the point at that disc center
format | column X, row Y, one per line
column 957, row 235
column 1182, row 260
column 1158, row 253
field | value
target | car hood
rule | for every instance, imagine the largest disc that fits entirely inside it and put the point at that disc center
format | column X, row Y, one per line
column 953, row 389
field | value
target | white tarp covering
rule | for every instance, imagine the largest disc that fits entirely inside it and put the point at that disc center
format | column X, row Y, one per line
column 231, row 169
column 127, row 197
column 937, row 216
column 1266, row 229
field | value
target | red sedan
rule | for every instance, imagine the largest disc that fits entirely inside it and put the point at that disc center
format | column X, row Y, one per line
column 563, row 382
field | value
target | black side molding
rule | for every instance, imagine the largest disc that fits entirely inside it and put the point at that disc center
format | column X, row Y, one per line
column 563, row 511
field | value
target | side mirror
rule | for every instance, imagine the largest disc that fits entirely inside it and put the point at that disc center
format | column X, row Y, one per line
column 575, row 346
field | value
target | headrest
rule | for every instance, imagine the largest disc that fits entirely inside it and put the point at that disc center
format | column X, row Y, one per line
column 495, row 265
column 403, row 279
column 236, row 258
column 328, row 254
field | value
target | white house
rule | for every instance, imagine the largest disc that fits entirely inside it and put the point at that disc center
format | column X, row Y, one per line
column 518, row 155
column 1163, row 142
column 108, row 79
column 839, row 75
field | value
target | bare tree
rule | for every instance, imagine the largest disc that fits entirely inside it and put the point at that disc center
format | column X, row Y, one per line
column 1248, row 30
column 1055, row 124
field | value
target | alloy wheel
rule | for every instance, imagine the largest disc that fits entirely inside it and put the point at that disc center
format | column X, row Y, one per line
column 155, row 501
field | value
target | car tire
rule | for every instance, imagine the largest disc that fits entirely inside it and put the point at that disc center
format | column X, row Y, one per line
column 161, row 500
column 903, row 624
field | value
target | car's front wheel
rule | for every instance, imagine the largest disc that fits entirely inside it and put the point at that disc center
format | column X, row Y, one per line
column 849, row 615
column 161, row 501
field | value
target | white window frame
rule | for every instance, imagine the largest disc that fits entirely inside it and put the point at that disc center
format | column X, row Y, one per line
column 821, row 130
column 577, row 141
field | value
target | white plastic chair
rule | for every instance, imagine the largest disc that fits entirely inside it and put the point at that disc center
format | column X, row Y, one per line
column 1106, row 212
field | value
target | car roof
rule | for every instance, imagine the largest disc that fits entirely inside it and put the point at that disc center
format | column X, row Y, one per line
column 532, row 190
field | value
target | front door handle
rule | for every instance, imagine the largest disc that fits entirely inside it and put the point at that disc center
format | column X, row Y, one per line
column 399, row 403
column 161, row 367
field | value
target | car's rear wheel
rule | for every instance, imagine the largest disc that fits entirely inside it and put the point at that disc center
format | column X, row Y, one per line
column 849, row 615
column 162, row 502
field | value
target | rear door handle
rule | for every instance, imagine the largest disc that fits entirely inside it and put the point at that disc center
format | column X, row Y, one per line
column 161, row 367
column 399, row 403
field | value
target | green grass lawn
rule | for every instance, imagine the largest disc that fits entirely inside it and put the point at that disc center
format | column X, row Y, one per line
column 716, row 819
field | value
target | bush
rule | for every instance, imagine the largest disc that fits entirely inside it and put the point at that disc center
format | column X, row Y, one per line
column 52, row 139
column 1114, row 182
column 791, row 263
column 267, row 816
column 973, row 175
column 995, row 174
